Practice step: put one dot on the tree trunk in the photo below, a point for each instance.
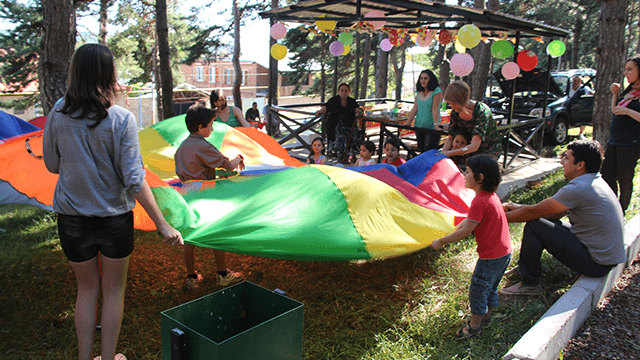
(364, 80)
(273, 77)
(323, 74)
(166, 77)
(58, 45)
(102, 36)
(609, 63)
(398, 69)
(237, 98)
(577, 32)
(382, 70)
(157, 80)
(482, 56)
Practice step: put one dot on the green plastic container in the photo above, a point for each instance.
(243, 321)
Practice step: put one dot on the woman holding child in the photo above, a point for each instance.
(473, 116)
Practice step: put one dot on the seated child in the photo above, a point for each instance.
(488, 221)
(367, 149)
(317, 152)
(461, 138)
(392, 152)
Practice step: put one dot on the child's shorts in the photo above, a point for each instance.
(82, 237)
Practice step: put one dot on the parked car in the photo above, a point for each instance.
(562, 112)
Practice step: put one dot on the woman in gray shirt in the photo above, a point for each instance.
(93, 145)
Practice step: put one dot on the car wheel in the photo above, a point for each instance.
(560, 132)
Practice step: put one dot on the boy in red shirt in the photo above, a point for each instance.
(488, 221)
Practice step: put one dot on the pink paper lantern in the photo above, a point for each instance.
(386, 45)
(510, 70)
(336, 48)
(278, 31)
(375, 14)
(462, 64)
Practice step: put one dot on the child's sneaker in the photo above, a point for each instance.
(230, 278)
(193, 283)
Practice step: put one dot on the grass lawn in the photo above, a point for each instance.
(401, 308)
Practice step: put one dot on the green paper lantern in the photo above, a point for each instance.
(501, 49)
(345, 38)
(556, 48)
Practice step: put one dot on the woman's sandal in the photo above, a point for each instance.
(467, 332)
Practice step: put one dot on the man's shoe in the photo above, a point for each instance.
(193, 283)
(522, 289)
(230, 278)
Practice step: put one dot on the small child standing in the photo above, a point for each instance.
(317, 152)
(488, 221)
(461, 138)
(367, 149)
(392, 152)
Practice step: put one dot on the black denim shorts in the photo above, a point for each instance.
(82, 237)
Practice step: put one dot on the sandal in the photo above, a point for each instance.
(468, 332)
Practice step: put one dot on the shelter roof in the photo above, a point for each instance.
(410, 14)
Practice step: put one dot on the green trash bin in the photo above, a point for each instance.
(243, 321)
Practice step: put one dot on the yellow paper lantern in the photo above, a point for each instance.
(459, 47)
(278, 51)
(347, 48)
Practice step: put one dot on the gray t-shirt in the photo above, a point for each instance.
(100, 169)
(596, 217)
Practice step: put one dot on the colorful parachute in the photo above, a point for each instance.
(278, 208)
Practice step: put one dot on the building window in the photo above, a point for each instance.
(228, 73)
(199, 73)
(245, 73)
(212, 74)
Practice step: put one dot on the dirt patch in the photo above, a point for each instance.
(612, 330)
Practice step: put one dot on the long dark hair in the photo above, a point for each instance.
(218, 94)
(636, 60)
(92, 83)
(431, 85)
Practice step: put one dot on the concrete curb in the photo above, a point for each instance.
(550, 335)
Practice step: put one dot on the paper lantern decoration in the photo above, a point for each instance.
(527, 60)
(386, 45)
(347, 48)
(510, 70)
(278, 51)
(425, 39)
(325, 25)
(278, 31)
(377, 25)
(444, 37)
(458, 46)
(556, 48)
(336, 48)
(469, 36)
(462, 64)
(501, 49)
(346, 38)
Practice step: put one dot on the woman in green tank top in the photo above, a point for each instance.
(426, 110)
(229, 115)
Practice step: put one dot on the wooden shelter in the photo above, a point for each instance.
(416, 14)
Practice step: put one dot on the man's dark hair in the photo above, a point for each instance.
(588, 151)
(198, 115)
(487, 165)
